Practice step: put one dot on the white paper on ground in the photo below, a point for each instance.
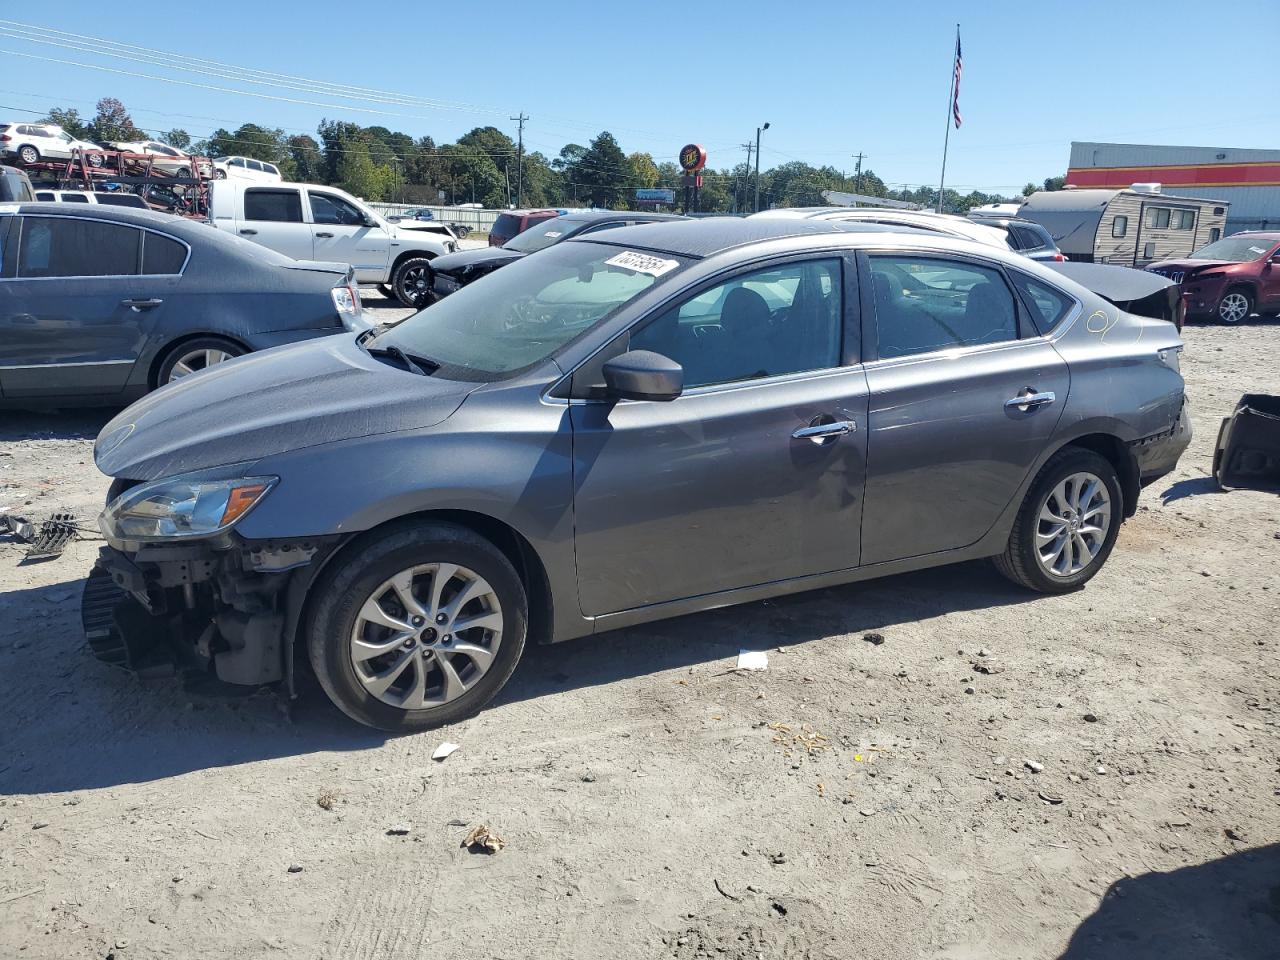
(753, 660)
(444, 750)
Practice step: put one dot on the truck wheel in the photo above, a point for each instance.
(420, 626)
(1235, 305)
(192, 356)
(412, 282)
(1067, 524)
(28, 154)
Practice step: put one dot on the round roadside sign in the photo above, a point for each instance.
(693, 158)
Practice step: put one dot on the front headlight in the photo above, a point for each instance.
(182, 507)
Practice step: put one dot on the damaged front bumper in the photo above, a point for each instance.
(226, 605)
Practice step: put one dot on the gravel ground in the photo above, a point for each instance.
(1109, 789)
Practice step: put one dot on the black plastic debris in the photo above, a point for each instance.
(55, 533)
(1248, 451)
(20, 528)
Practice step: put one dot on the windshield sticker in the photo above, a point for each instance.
(1258, 250)
(642, 263)
(553, 233)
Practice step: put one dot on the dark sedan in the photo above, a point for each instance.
(100, 305)
(456, 270)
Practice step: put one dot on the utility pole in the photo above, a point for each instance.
(748, 146)
(857, 173)
(520, 160)
(757, 203)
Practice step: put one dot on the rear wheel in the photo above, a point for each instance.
(1067, 525)
(95, 159)
(418, 627)
(196, 355)
(28, 154)
(1235, 305)
(412, 282)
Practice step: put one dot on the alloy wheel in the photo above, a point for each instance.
(416, 284)
(1234, 307)
(197, 360)
(426, 636)
(28, 155)
(1073, 524)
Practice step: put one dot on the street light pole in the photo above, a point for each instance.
(758, 129)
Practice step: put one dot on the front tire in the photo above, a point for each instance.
(1067, 525)
(412, 282)
(1235, 306)
(417, 627)
(28, 154)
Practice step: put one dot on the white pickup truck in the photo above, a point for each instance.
(311, 222)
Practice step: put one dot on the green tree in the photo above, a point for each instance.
(1055, 183)
(357, 173)
(248, 140)
(177, 137)
(603, 173)
(112, 123)
(1029, 189)
(69, 120)
(305, 163)
(644, 172)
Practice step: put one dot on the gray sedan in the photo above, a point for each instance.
(639, 424)
(100, 304)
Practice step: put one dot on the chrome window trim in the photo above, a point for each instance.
(102, 276)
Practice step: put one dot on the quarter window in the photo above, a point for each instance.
(66, 247)
(161, 255)
(767, 323)
(279, 206)
(1119, 226)
(326, 208)
(925, 304)
(1048, 306)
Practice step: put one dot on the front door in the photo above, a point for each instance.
(73, 309)
(1269, 281)
(273, 218)
(341, 235)
(715, 490)
(949, 443)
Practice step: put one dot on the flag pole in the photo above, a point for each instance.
(946, 140)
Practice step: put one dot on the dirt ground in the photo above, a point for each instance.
(1111, 789)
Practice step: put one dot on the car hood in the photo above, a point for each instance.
(271, 402)
(1190, 266)
(485, 257)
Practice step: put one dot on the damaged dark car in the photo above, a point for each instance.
(637, 424)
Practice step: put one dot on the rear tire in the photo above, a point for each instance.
(1076, 493)
(28, 154)
(1235, 306)
(412, 282)
(358, 611)
(192, 356)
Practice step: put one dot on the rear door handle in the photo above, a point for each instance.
(141, 304)
(249, 233)
(1028, 399)
(326, 236)
(821, 432)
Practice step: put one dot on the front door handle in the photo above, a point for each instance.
(248, 233)
(141, 304)
(326, 236)
(822, 432)
(1028, 399)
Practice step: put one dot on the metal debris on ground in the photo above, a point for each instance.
(483, 839)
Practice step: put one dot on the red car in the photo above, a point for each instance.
(515, 222)
(1229, 279)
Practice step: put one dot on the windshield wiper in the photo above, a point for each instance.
(419, 365)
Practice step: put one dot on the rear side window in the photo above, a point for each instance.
(254, 165)
(121, 200)
(269, 168)
(162, 255)
(1046, 305)
(67, 247)
(506, 225)
(280, 206)
(45, 195)
(925, 304)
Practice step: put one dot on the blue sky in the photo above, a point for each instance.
(833, 79)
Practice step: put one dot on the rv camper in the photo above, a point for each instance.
(1130, 227)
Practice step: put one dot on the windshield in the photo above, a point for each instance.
(521, 314)
(539, 236)
(1235, 249)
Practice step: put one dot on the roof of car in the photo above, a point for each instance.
(703, 237)
(593, 216)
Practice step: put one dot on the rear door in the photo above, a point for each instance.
(75, 308)
(272, 216)
(341, 235)
(953, 352)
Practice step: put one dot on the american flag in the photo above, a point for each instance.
(955, 89)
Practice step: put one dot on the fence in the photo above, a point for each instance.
(480, 221)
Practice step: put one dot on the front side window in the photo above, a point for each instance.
(66, 247)
(1119, 227)
(522, 314)
(925, 304)
(326, 208)
(767, 323)
(278, 206)
(236, 162)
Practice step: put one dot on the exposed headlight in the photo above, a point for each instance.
(182, 507)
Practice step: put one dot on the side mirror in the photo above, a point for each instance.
(643, 375)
